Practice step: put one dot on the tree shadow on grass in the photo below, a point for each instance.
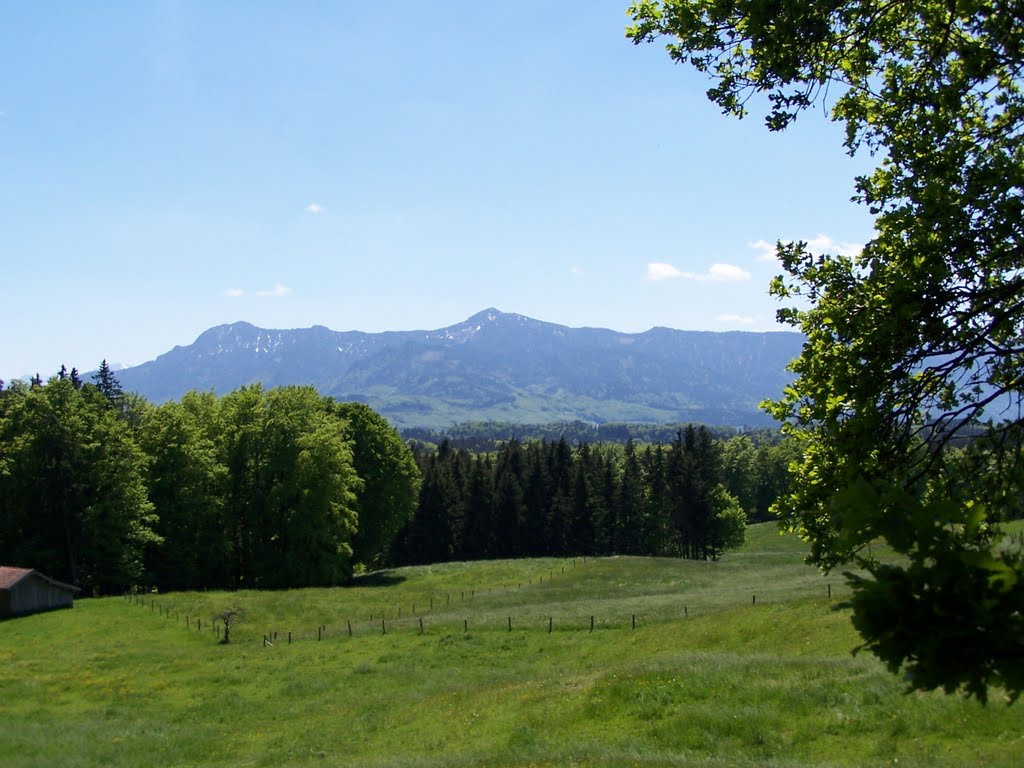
(377, 579)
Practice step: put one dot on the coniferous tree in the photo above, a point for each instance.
(537, 501)
(108, 385)
(509, 501)
(657, 528)
(560, 512)
(607, 526)
(478, 516)
(628, 535)
(679, 497)
(581, 526)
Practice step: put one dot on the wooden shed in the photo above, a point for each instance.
(23, 590)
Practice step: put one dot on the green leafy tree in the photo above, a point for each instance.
(917, 338)
(289, 509)
(73, 500)
(390, 481)
(309, 516)
(739, 469)
(728, 525)
(187, 485)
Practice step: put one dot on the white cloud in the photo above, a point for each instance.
(657, 270)
(725, 273)
(315, 208)
(575, 270)
(766, 250)
(234, 292)
(736, 319)
(276, 292)
(825, 244)
(818, 244)
(719, 273)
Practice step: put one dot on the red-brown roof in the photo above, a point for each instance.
(10, 576)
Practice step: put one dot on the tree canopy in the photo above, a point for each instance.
(917, 341)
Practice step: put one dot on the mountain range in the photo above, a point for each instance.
(494, 366)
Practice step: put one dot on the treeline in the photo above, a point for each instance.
(284, 487)
(482, 436)
(257, 488)
(690, 498)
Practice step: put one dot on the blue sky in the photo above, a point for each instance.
(169, 166)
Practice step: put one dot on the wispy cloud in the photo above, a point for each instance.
(576, 270)
(818, 244)
(276, 292)
(765, 250)
(315, 208)
(234, 292)
(825, 244)
(657, 270)
(725, 273)
(718, 273)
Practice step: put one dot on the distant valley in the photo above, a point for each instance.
(494, 366)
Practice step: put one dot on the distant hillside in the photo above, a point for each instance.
(495, 366)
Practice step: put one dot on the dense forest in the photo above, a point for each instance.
(285, 487)
(690, 498)
(480, 436)
(257, 488)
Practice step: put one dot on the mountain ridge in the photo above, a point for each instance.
(492, 366)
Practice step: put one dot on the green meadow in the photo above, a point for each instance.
(742, 662)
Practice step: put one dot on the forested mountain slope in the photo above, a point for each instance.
(493, 366)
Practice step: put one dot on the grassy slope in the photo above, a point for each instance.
(728, 683)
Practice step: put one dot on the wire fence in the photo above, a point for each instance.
(423, 620)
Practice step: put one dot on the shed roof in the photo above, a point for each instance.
(9, 576)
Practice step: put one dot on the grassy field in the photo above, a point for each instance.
(743, 662)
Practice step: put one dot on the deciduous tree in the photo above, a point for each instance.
(391, 481)
(919, 336)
